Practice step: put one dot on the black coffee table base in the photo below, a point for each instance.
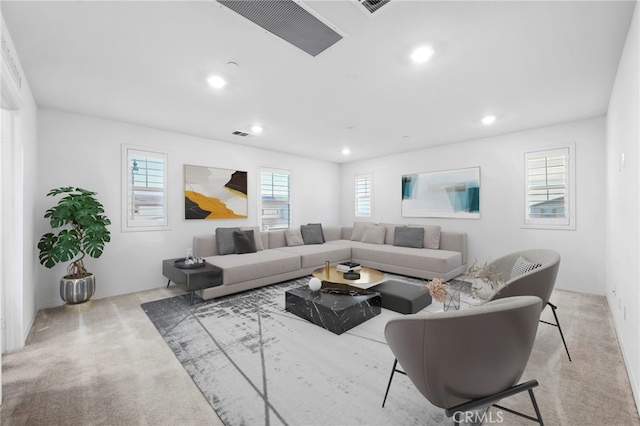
(337, 308)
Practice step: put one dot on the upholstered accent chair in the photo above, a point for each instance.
(536, 281)
(469, 359)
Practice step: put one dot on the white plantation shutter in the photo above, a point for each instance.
(548, 188)
(275, 199)
(363, 196)
(144, 190)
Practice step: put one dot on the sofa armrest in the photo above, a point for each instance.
(454, 241)
(205, 245)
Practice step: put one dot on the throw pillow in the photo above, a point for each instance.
(312, 233)
(256, 235)
(391, 231)
(244, 242)
(319, 226)
(522, 266)
(224, 240)
(408, 237)
(431, 236)
(358, 230)
(293, 237)
(374, 234)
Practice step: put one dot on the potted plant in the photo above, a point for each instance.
(83, 231)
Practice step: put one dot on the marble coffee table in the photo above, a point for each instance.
(335, 307)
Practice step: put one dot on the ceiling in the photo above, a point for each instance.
(530, 64)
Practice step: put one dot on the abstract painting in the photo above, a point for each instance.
(449, 193)
(212, 193)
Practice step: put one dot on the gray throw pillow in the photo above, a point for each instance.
(244, 242)
(374, 234)
(312, 233)
(256, 235)
(408, 237)
(224, 240)
(293, 237)
(431, 236)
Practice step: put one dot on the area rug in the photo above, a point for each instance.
(257, 364)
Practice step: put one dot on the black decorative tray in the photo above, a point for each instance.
(351, 276)
(181, 265)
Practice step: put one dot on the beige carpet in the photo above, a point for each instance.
(107, 365)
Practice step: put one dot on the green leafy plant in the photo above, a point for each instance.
(84, 230)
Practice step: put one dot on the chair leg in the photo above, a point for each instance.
(557, 324)
(393, 370)
(492, 399)
(535, 407)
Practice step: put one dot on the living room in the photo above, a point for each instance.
(54, 147)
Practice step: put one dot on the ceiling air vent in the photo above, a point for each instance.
(288, 20)
(239, 133)
(373, 5)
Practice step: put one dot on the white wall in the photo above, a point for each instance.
(82, 151)
(499, 230)
(622, 210)
(19, 176)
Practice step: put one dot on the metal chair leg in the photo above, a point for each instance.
(393, 370)
(557, 324)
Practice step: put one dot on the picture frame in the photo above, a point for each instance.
(446, 194)
(214, 193)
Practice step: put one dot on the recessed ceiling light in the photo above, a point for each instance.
(422, 54)
(489, 119)
(216, 82)
(346, 151)
(256, 129)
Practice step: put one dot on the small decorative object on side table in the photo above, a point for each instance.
(351, 276)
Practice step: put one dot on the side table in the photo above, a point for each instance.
(192, 279)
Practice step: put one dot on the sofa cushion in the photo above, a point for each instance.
(224, 240)
(522, 266)
(374, 234)
(237, 268)
(409, 237)
(315, 255)
(436, 261)
(293, 237)
(244, 242)
(312, 233)
(358, 230)
(431, 236)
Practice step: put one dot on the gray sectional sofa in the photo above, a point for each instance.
(276, 261)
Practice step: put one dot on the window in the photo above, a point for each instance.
(275, 199)
(549, 195)
(363, 196)
(144, 189)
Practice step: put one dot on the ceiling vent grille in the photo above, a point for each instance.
(373, 5)
(289, 21)
(239, 133)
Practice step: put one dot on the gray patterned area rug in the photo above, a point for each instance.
(259, 365)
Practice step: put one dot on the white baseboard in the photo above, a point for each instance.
(576, 289)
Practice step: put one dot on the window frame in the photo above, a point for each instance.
(569, 221)
(130, 224)
(356, 198)
(273, 170)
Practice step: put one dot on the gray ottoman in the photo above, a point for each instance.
(403, 297)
